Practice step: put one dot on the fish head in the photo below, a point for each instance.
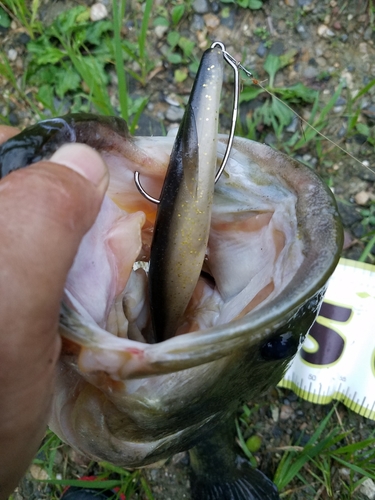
(275, 238)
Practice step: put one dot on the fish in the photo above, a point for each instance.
(184, 212)
(275, 237)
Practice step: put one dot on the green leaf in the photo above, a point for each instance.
(160, 21)
(83, 16)
(296, 93)
(274, 63)
(174, 58)
(67, 79)
(45, 96)
(283, 114)
(177, 13)
(4, 19)
(193, 67)
(68, 20)
(255, 4)
(250, 93)
(173, 38)
(44, 75)
(44, 52)
(96, 30)
(363, 129)
(180, 75)
(243, 3)
(186, 45)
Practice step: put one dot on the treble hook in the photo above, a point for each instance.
(236, 66)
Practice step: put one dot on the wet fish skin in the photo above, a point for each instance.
(145, 402)
(39, 142)
(183, 217)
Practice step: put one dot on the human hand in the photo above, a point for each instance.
(45, 209)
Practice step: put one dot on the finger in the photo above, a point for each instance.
(45, 210)
(7, 132)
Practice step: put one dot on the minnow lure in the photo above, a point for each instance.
(184, 212)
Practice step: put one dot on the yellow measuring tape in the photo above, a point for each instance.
(337, 359)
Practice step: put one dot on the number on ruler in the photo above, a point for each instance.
(328, 340)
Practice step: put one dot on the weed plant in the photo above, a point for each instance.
(309, 470)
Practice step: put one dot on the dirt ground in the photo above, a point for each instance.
(333, 41)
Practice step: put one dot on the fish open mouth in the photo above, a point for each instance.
(274, 239)
(255, 246)
(273, 231)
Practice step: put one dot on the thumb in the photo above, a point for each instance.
(45, 210)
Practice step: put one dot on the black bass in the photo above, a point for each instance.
(274, 240)
(184, 214)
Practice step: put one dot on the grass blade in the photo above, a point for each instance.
(119, 60)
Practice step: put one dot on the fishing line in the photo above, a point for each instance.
(259, 84)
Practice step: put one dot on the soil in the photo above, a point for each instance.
(333, 42)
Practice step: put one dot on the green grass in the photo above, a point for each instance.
(90, 56)
(313, 468)
(108, 476)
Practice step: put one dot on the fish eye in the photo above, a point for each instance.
(282, 346)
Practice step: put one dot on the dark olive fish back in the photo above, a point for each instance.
(41, 140)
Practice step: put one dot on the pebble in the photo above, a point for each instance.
(24, 38)
(13, 119)
(12, 55)
(290, 3)
(38, 473)
(261, 50)
(311, 72)
(160, 31)
(172, 100)
(215, 7)
(286, 412)
(174, 114)
(368, 34)
(211, 21)
(344, 472)
(367, 488)
(348, 77)
(340, 101)
(201, 6)
(58, 460)
(348, 214)
(197, 23)
(275, 413)
(369, 111)
(301, 30)
(98, 12)
(293, 126)
(321, 61)
(324, 31)
(363, 48)
(78, 459)
(363, 197)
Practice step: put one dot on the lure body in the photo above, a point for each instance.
(184, 212)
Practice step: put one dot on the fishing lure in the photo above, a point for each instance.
(184, 209)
